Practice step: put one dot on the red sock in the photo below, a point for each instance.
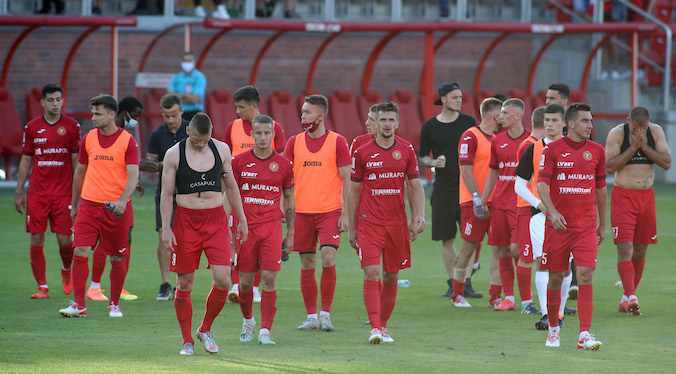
(638, 271)
(495, 291)
(388, 297)
(585, 306)
(626, 271)
(476, 253)
(257, 279)
(268, 308)
(246, 302)
(553, 305)
(458, 287)
(214, 305)
(328, 285)
(80, 274)
(183, 306)
(308, 287)
(98, 264)
(38, 264)
(372, 302)
(507, 275)
(118, 272)
(523, 278)
(234, 275)
(66, 256)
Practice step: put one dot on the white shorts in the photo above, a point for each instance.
(537, 233)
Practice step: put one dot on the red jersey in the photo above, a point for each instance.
(51, 147)
(241, 140)
(573, 171)
(366, 138)
(504, 159)
(261, 183)
(382, 173)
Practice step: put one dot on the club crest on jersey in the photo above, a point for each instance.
(396, 155)
(61, 131)
(274, 167)
(587, 155)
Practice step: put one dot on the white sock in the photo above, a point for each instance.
(510, 298)
(541, 280)
(565, 286)
(526, 302)
(312, 316)
(624, 298)
(95, 285)
(554, 329)
(262, 331)
(632, 297)
(43, 286)
(323, 314)
(64, 269)
(583, 334)
(250, 320)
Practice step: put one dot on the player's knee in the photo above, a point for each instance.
(584, 275)
(38, 239)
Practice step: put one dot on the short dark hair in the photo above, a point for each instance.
(388, 106)
(129, 104)
(248, 94)
(264, 118)
(373, 108)
(188, 53)
(318, 100)
(555, 108)
(571, 112)
(538, 118)
(516, 103)
(489, 104)
(500, 97)
(639, 114)
(561, 88)
(169, 100)
(108, 102)
(51, 88)
(201, 123)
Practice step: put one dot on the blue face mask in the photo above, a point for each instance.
(130, 123)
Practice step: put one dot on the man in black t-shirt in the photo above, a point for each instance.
(440, 136)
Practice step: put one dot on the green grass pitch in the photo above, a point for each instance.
(430, 335)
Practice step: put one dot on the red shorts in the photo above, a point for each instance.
(632, 216)
(262, 249)
(233, 222)
(310, 227)
(502, 231)
(523, 237)
(392, 242)
(472, 228)
(198, 230)
(94, 221)
(41, 208)
(580, 241)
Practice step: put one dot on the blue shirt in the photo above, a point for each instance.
(193, 84)
(161, 139)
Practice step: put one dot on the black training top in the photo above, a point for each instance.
(161, 139)
(190, 181)
(639, 157)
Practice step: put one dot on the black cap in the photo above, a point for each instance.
(445, 89)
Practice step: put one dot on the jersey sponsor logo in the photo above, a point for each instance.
(202, 183)
(264, 187)
(246, 145)
(41, 131)
(561, 177)
(565, 164)
(581, 177)
(374, 164)
(507, 178)
(40, 140)
(245, 187)
(464, 149)
(504, 145)
(203, 175)
(336, 236)
(257, 201)
(251, 164)
(49, 151)
(391, 174)
(565, 154)
(248, 174)
(542, 161)
(508, 164)
(587, 155)
(312, 163)
(61, 131)
(386, 191)
(103, 158)
(396, 155)
(50, 163)
(273, 166)
(375, 155)
(574, 191)
(372, 177)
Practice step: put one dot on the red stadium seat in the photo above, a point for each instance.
(221, 109)
(366, 100)
(284, 110)
(343, 113)
(152, 114)
(409, 117)
(33, 107)
(11, 130)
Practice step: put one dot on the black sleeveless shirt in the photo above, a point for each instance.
(639, 157)
(190, 181)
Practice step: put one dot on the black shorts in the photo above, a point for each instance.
(445, 211)
(158, 216)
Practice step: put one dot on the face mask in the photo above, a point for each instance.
(131, 123)
(187, 66)
(311, 126)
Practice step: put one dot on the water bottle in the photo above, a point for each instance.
(476, 199)
(403, 283)
(110, 206)
(285, 258)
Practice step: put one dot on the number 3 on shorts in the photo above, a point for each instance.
(526, 250)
